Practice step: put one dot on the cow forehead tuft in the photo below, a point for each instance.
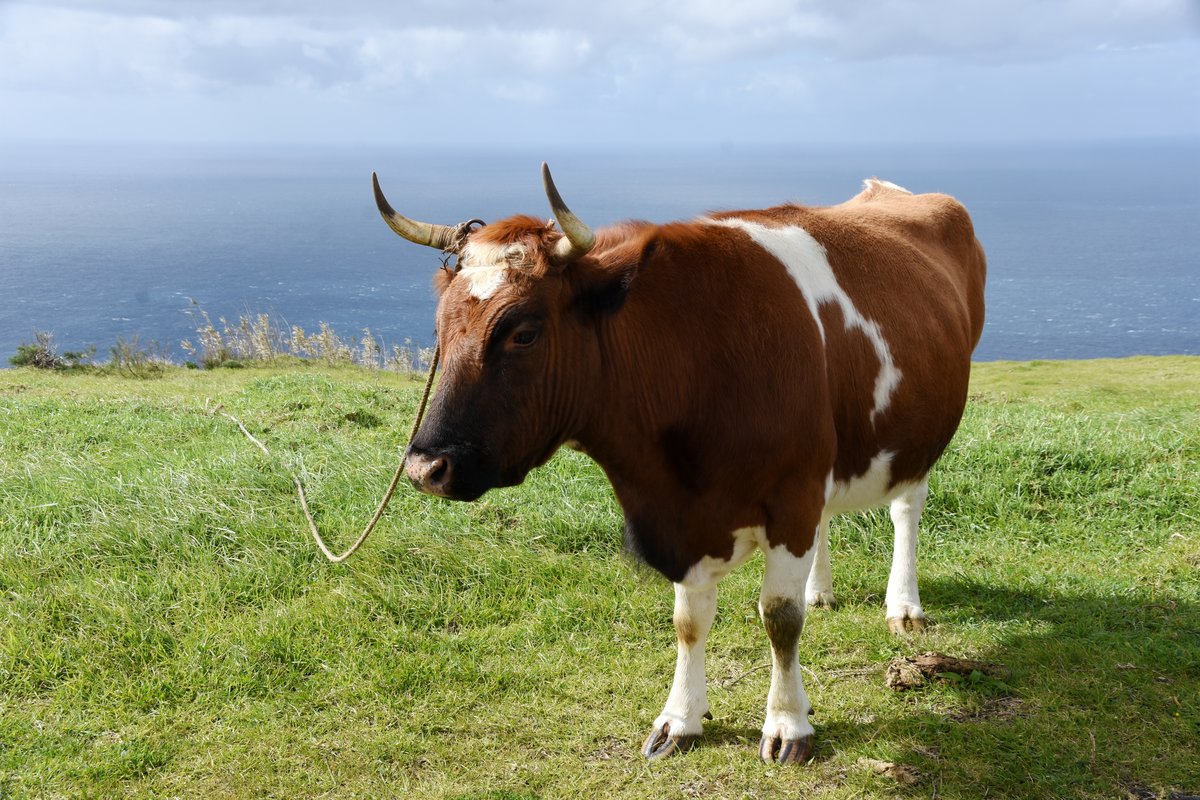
(488, 254)
(484, 281)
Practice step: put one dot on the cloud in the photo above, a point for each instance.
(55, 49)
(68, 49)
(711, 31)
(778, 84)
(625, 68)
(188, 44)
(521, 66)
(1009, 31)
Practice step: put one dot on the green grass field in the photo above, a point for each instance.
(168, 629)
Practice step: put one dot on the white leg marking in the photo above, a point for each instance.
(787, 702)
(903, 598)
(695, 609)
(819, 591)
(808, 264)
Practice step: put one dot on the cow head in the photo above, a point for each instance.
(518, 323)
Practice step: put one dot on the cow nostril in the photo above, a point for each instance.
(430, 474)
(439, 471)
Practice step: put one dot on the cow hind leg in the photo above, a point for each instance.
(904, 612)
(787, 734)
(819, 590)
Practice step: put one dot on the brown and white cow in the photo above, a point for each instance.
(740, 378)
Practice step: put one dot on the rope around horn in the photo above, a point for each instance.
(387, 496)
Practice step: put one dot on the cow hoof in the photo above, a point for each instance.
(773, 750)
(904, 625)
(819, 599)
(661, 744)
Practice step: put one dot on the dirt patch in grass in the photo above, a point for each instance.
(997, 709)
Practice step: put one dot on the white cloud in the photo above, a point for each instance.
(623, 67)
(73, 50)
(523, 92)
(67, 49)
(399, 58)
(544, 49)
(780, 84)
(188, 43)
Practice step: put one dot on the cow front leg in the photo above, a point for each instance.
(904, 612)
(679, 725)
(787, 734)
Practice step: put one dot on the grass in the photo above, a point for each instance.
(167, 629)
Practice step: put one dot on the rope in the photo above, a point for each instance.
(387, 496)
(461, 232)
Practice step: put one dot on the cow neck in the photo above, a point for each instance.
(646, 371)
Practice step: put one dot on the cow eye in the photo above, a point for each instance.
(525, 337)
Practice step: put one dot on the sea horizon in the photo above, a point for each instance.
(1093, 247)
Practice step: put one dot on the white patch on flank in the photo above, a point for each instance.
(696, 606)
(808, 264)
(868, 490)
(485, 266)
(872, 183)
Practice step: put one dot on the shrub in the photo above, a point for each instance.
(40, 353)
(132, 358)
(257, 339)
(80, 358)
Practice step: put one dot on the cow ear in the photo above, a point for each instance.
(605, 285)
(604, 290)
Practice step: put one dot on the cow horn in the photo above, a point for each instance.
(578, 238)
(439, 236)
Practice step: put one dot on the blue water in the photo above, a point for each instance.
(1094, 250)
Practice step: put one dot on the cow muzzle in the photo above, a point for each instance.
(431, 474)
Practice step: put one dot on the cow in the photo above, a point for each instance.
(740, 378)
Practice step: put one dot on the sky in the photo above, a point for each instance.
(621, 72)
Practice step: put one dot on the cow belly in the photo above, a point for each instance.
(871, 489)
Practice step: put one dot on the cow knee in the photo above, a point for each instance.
(783, 617)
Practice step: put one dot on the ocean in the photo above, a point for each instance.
(1093, 249)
